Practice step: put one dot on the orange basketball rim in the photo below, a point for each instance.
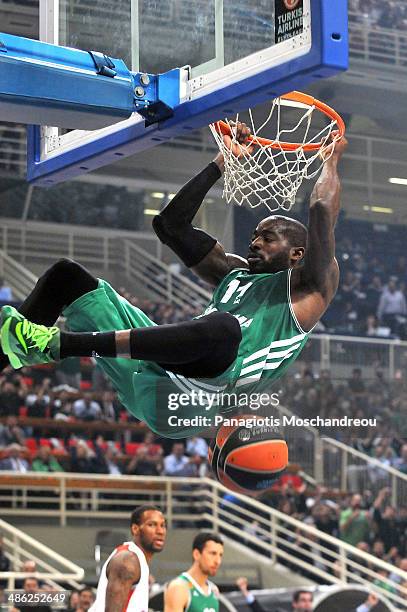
(298, 98)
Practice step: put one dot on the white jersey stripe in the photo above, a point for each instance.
(206, 386)
(279, 354)
(257, 354)
(272, 365)
(279, 343)
(253, 368)
(248, 380)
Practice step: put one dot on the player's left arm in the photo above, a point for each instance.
(314, 285)
(122, 572)
(198, 250)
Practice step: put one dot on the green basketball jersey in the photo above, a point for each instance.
(197, 600)
(271, 335)
(271, 340)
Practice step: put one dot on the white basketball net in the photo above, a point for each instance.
(272, 176)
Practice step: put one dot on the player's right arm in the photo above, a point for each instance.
(176, 597)
(122, 572)
(173, 225)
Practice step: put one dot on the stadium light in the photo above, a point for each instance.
(398, 181)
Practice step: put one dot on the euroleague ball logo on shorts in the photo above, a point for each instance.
(291, 4)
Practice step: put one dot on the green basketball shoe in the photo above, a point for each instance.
(27, 343)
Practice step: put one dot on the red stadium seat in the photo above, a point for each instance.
(85, 385)
(131, 448)
(45, 442)
(31, 444)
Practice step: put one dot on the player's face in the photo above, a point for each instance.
(210, 559)
(268, 250)
(304, 603)
(151, 532)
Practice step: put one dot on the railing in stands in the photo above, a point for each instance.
(51, 567)
(342, 354)
(104, 250)
(350, 470)
(188, 501)
(371, 43)
(20, 280)
(159, 279)
(338, 466)
(12, 149)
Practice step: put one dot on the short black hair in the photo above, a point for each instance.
(202, 538)
(294, 231)
(137, 514)
(297, 595)
(85, 589)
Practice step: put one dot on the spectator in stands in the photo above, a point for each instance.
(356, 384)
(401, 565)
(73, 601)
(148, 459)
(384, 516)
(374, 293)
(11, 433)
(86, 599)
(326, 519)
(31, 585)
(377, 474)
(62, 407)
(108, 458)
(84, 460)
(197, 446)
(11, 397)
(373, 328)
(392, 306)
(45, 461)
(302, 600)
(384, 582)
(400, 463)
(87, 409)
(354, 522)
(178, 464)
(38, 400)
(110, 407)
(30, 567)
(6, 295)
(14, 460)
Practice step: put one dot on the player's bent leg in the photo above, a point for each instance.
(221, 335)
(63, 283)
(204, 347)
(59, 286)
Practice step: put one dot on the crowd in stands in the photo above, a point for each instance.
(391, 14)
(371, 299)
(364, 517)
(370, 523)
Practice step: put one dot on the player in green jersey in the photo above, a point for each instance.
(259, 319)
(192, 591)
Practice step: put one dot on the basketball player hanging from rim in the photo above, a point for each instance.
(261, 314)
